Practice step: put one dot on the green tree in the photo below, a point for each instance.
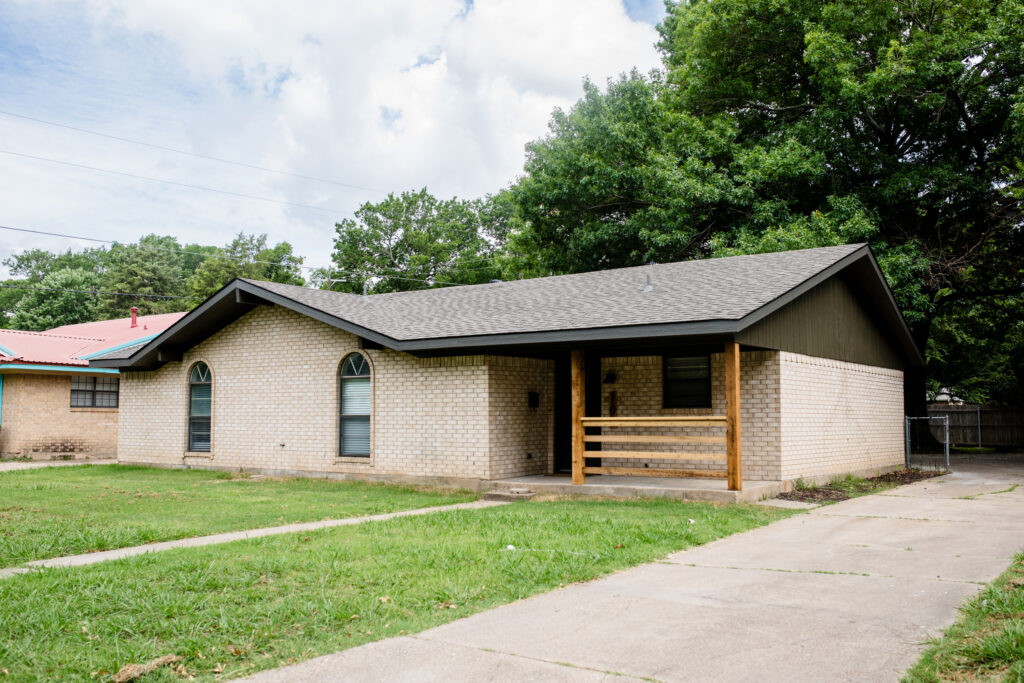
(29, 267)
(63, 297)
(415, 241)
(247, 256)
(794, 123)
(149, 269)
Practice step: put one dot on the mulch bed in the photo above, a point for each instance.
(829, 493)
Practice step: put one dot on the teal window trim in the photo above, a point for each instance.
(1, 401)
(59, 368)
(120, 346)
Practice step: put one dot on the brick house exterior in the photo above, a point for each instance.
(470, 384)
(48, 406)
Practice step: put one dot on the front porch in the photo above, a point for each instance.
(722, 430)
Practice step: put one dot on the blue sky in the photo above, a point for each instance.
(387, 95)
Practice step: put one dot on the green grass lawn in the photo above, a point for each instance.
(987, 642)
(68, 510)
(236, 608)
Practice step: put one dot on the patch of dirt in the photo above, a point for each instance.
(829, 493)
(901, 477)
(821, 494)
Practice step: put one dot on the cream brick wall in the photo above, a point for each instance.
(839, 417)
(275, 406)
(516, 430)
(638, 389)
(38, 421)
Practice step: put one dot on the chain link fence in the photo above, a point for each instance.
(927, 442)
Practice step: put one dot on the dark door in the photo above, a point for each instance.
(563, 409)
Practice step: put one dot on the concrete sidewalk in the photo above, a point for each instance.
(847, 592)
(14, 465)
(229, 536)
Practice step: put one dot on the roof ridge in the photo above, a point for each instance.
(50, 334)
(416, 292)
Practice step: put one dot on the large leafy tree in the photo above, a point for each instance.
(247, 256)
(792, 123)
(415, 241)
(29, 267)
(63, 297)
(150, 270)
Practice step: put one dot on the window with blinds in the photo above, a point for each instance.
(200, 404)
(356, 407)
(94, 392)
(686, 382)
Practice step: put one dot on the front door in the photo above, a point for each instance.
(563, 409)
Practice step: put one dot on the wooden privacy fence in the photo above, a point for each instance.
(673, 439)
(980, 426)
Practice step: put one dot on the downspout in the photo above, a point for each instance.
(1, 401)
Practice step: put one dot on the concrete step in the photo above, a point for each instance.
(509, 494)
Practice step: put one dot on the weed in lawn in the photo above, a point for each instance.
(256, 604)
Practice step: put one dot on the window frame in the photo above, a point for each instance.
(199, 419)
(93, 391)
(665, 399)
(343, 416)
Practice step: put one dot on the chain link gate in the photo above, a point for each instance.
(927, 442)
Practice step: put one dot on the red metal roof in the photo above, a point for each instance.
(72, 344)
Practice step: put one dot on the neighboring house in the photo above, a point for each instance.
(783, 365)
(52, 404)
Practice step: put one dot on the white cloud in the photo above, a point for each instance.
(388, 94)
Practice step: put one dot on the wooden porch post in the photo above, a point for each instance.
(577, 367)
(734, 462)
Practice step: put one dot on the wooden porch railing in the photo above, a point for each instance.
(659, 422)
(734, 468)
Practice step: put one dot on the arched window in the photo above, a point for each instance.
(200, 397)
(356, 399)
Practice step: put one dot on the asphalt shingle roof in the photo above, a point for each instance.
(120, 353)
(687, 291)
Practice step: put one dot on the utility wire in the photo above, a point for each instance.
(172, 182)
(191, 154)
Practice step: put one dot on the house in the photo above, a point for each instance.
(52, 404)
(764, 367)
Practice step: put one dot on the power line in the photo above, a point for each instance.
(172, 182)
(103, 293)
(191, 154)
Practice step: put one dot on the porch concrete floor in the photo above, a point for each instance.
(713, 490)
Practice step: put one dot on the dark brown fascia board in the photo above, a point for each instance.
(244, 294)
(506, 339)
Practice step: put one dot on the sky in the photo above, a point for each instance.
(376, 96)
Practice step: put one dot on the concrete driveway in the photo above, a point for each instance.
(847, 592)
